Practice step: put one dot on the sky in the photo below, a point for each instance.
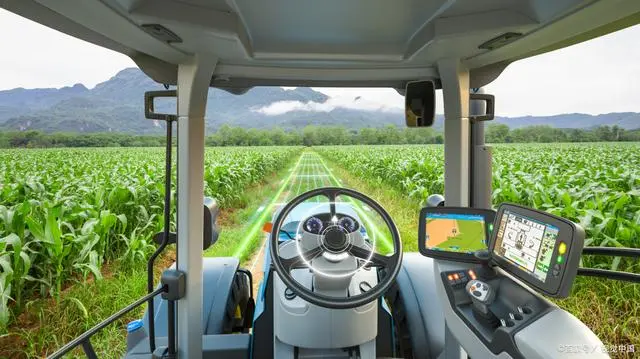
(598, 76)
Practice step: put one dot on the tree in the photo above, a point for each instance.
(497, 133)
(310, 136)
(316, 135)
(278, 136)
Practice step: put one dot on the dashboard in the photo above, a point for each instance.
(320, 222)
(524, 246)
(538, 248)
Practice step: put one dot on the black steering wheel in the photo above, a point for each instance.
(336, 242)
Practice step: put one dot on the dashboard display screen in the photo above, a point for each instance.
(527, 243)
(455, 232)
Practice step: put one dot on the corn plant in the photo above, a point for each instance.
(65, 212)
(596, 185)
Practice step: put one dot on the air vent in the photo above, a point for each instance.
(500, 41)
(161, 33)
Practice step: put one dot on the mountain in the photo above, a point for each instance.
(116, 105)
(626, 120)
(20, 101)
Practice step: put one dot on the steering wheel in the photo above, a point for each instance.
(336, 242)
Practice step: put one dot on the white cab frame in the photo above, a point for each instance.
(193, 86)
(455, 90)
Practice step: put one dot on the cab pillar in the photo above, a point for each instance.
(455, 90)
(194, 77)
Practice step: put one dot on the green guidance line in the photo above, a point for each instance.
(257, 223)
(385, 241)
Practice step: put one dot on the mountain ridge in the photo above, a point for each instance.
(116, 105)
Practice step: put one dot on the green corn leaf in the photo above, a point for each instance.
(123, 219)
(89, 226)
(36, 229)
(52, 233)
(5, 264)
(78, 304)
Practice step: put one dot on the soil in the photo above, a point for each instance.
(255, 264)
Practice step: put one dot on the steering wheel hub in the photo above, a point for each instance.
(335, 240)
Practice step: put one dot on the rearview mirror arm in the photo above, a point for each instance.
(169, 119)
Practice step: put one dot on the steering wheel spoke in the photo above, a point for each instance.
(373, 259)
(300, 260)
(332, 195)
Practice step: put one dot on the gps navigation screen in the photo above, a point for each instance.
(453, 232)
(527, 243)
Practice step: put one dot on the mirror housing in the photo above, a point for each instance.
(149, 107)
(210, 231)
(483, 106)
(420, 103)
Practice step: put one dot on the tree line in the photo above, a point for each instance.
(500, 133)
(318, 135)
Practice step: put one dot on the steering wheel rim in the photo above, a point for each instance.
(391, 264)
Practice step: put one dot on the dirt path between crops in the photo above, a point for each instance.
(307, 174)
(257, 265)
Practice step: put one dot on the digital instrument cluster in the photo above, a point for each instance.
(318, 223)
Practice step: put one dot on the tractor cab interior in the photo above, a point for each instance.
(336, 281)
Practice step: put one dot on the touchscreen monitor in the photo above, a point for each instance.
(538, 248)
(454, 232)
(527, 243)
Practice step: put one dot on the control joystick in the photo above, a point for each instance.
(482, 295)
(480, 292)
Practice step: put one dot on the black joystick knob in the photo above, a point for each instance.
(482, 295)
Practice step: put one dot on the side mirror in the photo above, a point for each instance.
(482, 107)
(420, 103)
(149, 106)
(210, 232)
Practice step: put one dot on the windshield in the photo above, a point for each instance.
(82, 176)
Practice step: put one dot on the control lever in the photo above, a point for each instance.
(482, 295)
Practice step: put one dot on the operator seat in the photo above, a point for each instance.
(263, 333)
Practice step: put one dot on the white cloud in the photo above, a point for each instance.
(597, 76)
(356, 99)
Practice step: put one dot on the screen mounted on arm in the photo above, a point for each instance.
(538, 248)
(454, 233)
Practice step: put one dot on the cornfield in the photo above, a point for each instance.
(596, 185)
(64, 213)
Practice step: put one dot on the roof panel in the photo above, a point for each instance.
(338, 42)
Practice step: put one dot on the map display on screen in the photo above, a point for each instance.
(454, 232)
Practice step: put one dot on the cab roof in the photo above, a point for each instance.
(367, 43)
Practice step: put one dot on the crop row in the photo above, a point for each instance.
(64, 213)
(596, 185)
